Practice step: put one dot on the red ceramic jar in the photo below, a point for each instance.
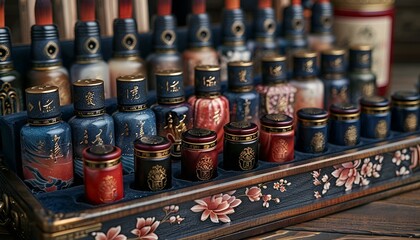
(277, 138)
(103, 174)
(199, 154)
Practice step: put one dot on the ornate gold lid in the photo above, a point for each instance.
(88, 82)
(169, 72)
(273, 58)
(240, 63)
(131, 78)
(334, 51)
(210, 68)
(41, 89)
(305, 54)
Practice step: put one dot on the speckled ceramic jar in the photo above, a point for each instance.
(344, 124)
(375, 117)
(312, 133)
(405, 111)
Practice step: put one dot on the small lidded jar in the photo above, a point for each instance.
(405, 111)
(276, 138)
(152, 163)
(344, 125)
(375, 118)
(312, 130)
(240, 150)
(199, 154)
(103, 174)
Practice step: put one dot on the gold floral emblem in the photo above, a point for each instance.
(108, 189)
(381, 129)
(156, 178)
(318, 142)
(204, 168)
(410, 123)
(350, 136)
(277, 117)
(247, 158)
(280, 150)
(368, 89)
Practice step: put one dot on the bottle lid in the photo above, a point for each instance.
(87, 41)
(164, 32)
(374, 102)
(240, 128)
(265, 24)
(312, 114)
(276, 120)
(101, 156)
(5, 48)
(274, 69)
(45, 46)
(125, 40)
(406, 96)
(332, 61)
(207, 80)
(88, 97)
(132, 92)
(199, 30)
(360, 57)
(240, 76)
(43, 103)
(170, 86)
(152, 146)
(233, 26)
(293, 21)
(199, 135)
(304, 64)
(344, 108)
(322, 17)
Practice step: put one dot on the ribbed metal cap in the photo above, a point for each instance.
(42, 102)
(45, 46)
(233, 26)
(199, 135)
(164, 32)
(374, 101)
(125, 40)
(88, 95)
(322, 17)
(293, 21)
(199, 30)
(87, 41)
(5, 48)
(344, 108)
(131, 90)
(265, 23)
(240, 128)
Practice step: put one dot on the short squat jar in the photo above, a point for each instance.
(344, 124)
(103, 174)
(405, 111)
(199, 154)
(240, 146)
(375, 118)
(152, 163)
(312, 130)
(276, 138)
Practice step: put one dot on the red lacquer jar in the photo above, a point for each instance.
(276, 138)
(368, 22)
(199, 154)
(103, 174)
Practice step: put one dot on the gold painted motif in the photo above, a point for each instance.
(276, 70)
(247, 158)
(89, 98)
(157, 178)
(242, 76)
(151, 139)
(318, 142)
(276, 117)
(339, 95)
(9, 99)
(173, 87)
(140, 126)
(351, 136)
(381, 129)
(46, 108)
(217, 115)
(40, 147)
(280, 150)
(108, 189)
(85, 140)
(133, 94)
(126, 130)
(241, 124)
(368, 90)
(336, 63)
(247, 110)
(209, 82)
(363, 58)
(56, 151)
(410, 123)
(308, 66)
(4, 52)
(204, 168)
(98, 140)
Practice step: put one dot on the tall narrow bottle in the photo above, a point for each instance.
(233, 46)
(87, 48)
(277, 95)
(90, 126)
(11, 97)
(125, 54)
(165, 55)
(173, 114)
(47, 68)
(200, 38)
(243, 99)
(321, 37)
(47, 154)
(210, 109)
(133, 119)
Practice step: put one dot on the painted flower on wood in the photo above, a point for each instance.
(400, 156)
(347, 174)
(145, 228)
(253, 193)
(217, 207)
(112, 234)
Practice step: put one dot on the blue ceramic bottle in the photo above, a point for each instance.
(344, 124)
(375, 118)
(90, 126)
(405, 111)
(173, 114)
(243, 99)
(362, 79)
(336, 84)
(47, 154)
(133, 119)
(312, 132)
(321, 37)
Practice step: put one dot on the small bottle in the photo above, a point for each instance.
(173, 114)
(152, 163)
(233, 46)
(200, 38)
(264, 25)
(133, 119)
(277, 95)
(333, 75)
(90, 126)
(165, 55)
(103, 173)
(46, 67)
(310, 89)
(199, 155)
(243, 99)
(362, 79)
(312, 130)
(321, 37)
(240, 146)
(375, 118)
(87, 48)
(210, 108)
(125, 53)
(277, 138)
(405, 111)
(47, 154)
(344, 124)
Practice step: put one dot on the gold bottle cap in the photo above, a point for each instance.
(361, 47)
(334, 51)
(363, 5)
(210, 68)
(240, 64)
(273, 58)
(131, 78)
(169, 72)
(41, 89)
(305, 54)
(88, 82)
